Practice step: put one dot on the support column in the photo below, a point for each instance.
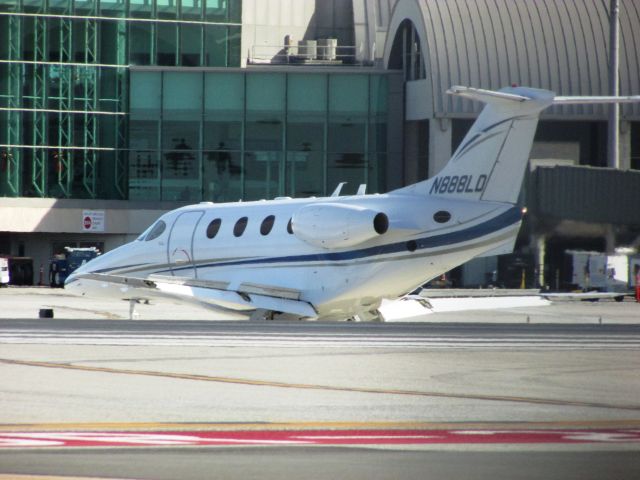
(91, 89)
(540, 253)
(64, 160)
(439, 144)
(39, 162)
(624, 140)
(12, 156)
(610, 238)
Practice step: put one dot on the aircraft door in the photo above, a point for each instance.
(180, 244)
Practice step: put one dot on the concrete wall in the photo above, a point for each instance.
(31, 226)
(50, 215)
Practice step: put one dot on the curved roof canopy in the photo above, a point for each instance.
(560, 45)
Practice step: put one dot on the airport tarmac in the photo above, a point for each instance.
(462, 395)
(25, 302)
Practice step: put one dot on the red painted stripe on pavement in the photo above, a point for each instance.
(313, 437)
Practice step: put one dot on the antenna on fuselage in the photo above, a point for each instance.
(336, 192)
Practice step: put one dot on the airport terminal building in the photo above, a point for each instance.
(114, 111)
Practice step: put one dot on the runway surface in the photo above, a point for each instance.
(182, 399)
(316, 334)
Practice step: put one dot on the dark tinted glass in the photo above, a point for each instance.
(442, 216)
(214, 226)
(267, 225)
(240, 226)
(156, 231)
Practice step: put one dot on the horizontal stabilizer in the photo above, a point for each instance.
(485, 96)
(586, 100)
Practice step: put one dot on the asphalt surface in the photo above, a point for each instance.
(271, 463)
(573, 379)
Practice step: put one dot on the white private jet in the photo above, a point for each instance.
(338, 257)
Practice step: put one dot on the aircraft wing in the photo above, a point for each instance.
(247, 297)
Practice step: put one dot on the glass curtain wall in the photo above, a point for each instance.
(64, 83)
(226, 136)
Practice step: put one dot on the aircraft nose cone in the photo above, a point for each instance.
(69, 280)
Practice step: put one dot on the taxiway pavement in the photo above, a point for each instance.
(112, 376)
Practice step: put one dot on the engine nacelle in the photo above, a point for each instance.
(336, 226)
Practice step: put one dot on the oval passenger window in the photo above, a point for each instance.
(442, 216)
(240, 226)
(214, 227)
(267, 225)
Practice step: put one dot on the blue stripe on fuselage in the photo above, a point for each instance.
(495, 224)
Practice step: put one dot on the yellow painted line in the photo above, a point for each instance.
(259, 426)
(329, 388)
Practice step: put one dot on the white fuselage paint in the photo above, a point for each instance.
(337, 282)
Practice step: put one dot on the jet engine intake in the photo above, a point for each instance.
(337, 226)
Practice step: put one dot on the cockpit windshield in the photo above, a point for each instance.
(153, 231)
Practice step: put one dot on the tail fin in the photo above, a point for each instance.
(490, 162)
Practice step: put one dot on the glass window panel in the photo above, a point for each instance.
(265, 92)
(84, 6)
(233, 56)
(79, 41)
(307, 93)
(167, 8)
(143, 134)
(378, 137)
(191, 45)
(348, 94)
(305, 136)
(37, 3)
(379, 94)
(235, 11)
(222, 176)
(145, 92)
(305, 174)
(263, 135)
(182, 92)
(348, 136)
(113, 8)
(109, 79)
(139, 8)
(166, 44)
(140, 38)
(224, 92)
(216, 45)
(181, 175)
(377, 167)
(222, 135)
(180, 135)
(144, 175)
(216, 10)
(262, 175)
(346, 167)
(4, 85)
(191, 9)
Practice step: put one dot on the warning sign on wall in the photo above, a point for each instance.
(93, 220)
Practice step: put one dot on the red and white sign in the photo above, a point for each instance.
(93, 221)
(313, 437)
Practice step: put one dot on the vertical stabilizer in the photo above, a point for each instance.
(490, 162)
